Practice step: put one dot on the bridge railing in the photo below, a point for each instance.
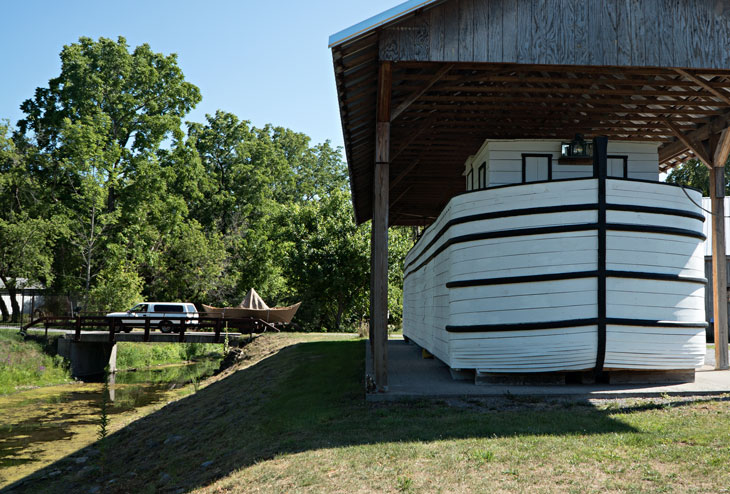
(113, 325)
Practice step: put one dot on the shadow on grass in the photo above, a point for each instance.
(302, 398)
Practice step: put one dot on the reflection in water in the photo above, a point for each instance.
(42, 425)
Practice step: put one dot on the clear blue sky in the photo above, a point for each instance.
(265, 61)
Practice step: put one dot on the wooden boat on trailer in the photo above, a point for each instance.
(565, 269)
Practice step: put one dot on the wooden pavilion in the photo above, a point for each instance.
(423, 85)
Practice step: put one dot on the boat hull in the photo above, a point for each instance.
(273, 315)
(536, 278)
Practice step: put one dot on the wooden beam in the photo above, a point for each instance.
(400, 196)
(414, 135)
(696, 147)
(381, 189)
(403, 174)
(384, 90)
(420, 92)
(723, 149)
(716, 125)
(704, 85)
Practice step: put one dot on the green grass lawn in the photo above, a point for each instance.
(294, 419)
(134, 355)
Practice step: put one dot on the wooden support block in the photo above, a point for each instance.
(529, 379)
(425, 353)
(652, 377)
(462, 374)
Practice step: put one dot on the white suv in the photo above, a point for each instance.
(164, 315)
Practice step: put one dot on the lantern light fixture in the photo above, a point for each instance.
(577, 148)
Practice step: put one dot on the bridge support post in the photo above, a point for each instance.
(88, 359)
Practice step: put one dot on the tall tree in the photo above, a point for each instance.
(97, 128)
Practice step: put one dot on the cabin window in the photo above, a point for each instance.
(470, 180)
(618, 166)
(483, 176)
(537, 167)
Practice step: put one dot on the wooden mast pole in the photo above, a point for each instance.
(379, 273)
(719, 256)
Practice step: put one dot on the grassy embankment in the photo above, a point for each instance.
(294, 420)
(32, 361)
(29, 362)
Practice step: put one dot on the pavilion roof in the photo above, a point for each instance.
(468, 70)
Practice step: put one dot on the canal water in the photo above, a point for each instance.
(42, 425)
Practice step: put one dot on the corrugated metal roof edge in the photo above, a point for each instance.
(377, 20)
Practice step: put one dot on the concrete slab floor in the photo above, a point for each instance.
(412, 377)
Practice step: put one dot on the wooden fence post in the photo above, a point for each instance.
(217, 330)
(112, 329)
(77, 334)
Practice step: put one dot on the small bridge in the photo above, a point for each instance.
(90, 340)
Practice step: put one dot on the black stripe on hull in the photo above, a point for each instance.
(543, 230)
(570, 323)
(538, 278)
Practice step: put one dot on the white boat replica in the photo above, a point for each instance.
(545, 266)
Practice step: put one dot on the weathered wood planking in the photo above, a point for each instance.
(650, 33)
(468, 286)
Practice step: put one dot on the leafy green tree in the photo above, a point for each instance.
(329, 263)
(25, 254)
(193, 263)
(118, 287)
(96, 130)
(204, 217)
(25, 239)
(695, 174)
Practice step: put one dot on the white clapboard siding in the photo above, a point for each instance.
(631, 347)
(651, 219)
(707, 230)
(526, 351)
(475, 313)
(504, 159)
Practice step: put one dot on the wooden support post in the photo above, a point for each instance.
(379, 274)
(77, 334)
(371, 322)
(182, 332)
(217, 330)
(719, 255)
(112, 328)
(146, 329)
